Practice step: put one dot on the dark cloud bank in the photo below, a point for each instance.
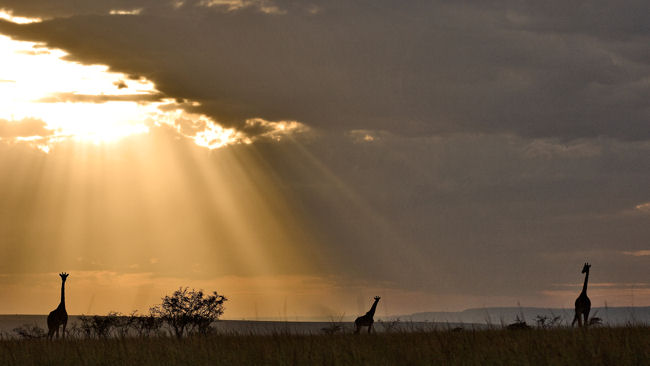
(425, 67)
(507, 143)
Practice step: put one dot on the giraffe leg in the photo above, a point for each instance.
(56, 330)
(575, 319)
(586, 314)
(369, 328)
(63, 331)
(357, 328)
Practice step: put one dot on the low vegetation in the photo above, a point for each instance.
(537, 346)
(180, 331)
(183, 313)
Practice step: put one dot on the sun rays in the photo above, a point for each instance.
(131, 175)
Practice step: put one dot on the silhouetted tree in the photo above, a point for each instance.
(187, 311)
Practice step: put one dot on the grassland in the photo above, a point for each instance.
(561, 346)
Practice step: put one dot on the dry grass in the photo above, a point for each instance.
(561, 346)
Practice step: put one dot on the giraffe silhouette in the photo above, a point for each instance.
(583, 304)
(58, 317)
(366, 320)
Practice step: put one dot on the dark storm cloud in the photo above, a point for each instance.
(600, 18)
(27, 127)
(416, 68)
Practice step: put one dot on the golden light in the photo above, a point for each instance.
(8, 15)
(86, 103)
(136, 11)
(109, 198)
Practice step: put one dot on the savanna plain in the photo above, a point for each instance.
(557, 346)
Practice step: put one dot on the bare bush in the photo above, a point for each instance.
(545, 322)
(30, 331)
(595, 321)
(390, 325)
(335, 326)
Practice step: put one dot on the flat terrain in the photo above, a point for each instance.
(561, 346)
(248, 327)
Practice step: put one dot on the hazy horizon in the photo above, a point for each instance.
(612, 316)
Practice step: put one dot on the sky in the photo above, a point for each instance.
(301, 157)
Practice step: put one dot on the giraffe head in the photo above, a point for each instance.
(64, 276)
(377, 298)
(585, 269)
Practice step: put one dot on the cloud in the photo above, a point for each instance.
(125, 11)
(8, 16)
(638, 253)
(421, 68)
(548, 148)
(100, 98)
(643, 207)
(24, 128)
(274, 130)
(61, 8)
(120, 84)
(265, 6)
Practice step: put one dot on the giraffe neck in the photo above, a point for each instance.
(62, 304)
(371, 312)
(584, 287)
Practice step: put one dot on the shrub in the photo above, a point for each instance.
(145, 325)
(97, 326)
(188, 311)
(519, 324)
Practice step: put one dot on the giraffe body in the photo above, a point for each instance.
(59, 316)
(583, 304)
(366, 320)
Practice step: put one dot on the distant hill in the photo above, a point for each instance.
(507, 315)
